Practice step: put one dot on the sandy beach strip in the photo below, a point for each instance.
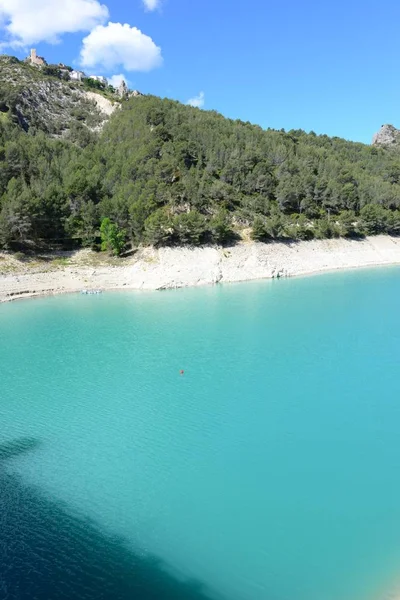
(164, 268)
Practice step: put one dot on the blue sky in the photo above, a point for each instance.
(328, 67)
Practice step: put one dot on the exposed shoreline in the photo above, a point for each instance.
(164, 268)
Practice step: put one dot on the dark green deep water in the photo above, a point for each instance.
(269, 471)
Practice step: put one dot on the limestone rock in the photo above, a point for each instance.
(104, 105)
(386, 136)
(122, 90)
(34, 100)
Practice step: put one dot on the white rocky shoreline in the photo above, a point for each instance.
(164, 268)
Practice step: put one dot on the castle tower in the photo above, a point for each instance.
(33, 56)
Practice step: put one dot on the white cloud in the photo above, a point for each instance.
(116, 45)
(30, 21)
(151, 4)
(115, 80)
(197, 101)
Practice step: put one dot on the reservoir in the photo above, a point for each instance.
(268, 470)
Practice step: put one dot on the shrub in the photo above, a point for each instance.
(159, 228)
(189, 228)
(112, 237)
(374, 219)
(220, 227)
(258, 232)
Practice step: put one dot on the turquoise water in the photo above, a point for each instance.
(269, 471)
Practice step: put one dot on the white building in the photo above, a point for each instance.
(77, 75)
(99, 78)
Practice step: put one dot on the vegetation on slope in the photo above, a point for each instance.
(164, 173)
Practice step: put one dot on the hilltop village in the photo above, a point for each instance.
(67, 73)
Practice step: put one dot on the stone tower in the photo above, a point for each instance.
(34, 59)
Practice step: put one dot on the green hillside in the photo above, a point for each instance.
(164, 173)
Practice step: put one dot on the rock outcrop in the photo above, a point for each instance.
(122, 90)
(103, 104)
(35, 100)
(386, 136)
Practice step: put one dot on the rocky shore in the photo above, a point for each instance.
(156, 269)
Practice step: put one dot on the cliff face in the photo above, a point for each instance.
(386, 136)
(35, 100)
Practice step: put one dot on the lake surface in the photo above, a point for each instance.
(269, 471)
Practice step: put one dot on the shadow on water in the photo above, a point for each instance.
(46, 553)
(17, 447)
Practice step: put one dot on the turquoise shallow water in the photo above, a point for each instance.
(269, 471)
